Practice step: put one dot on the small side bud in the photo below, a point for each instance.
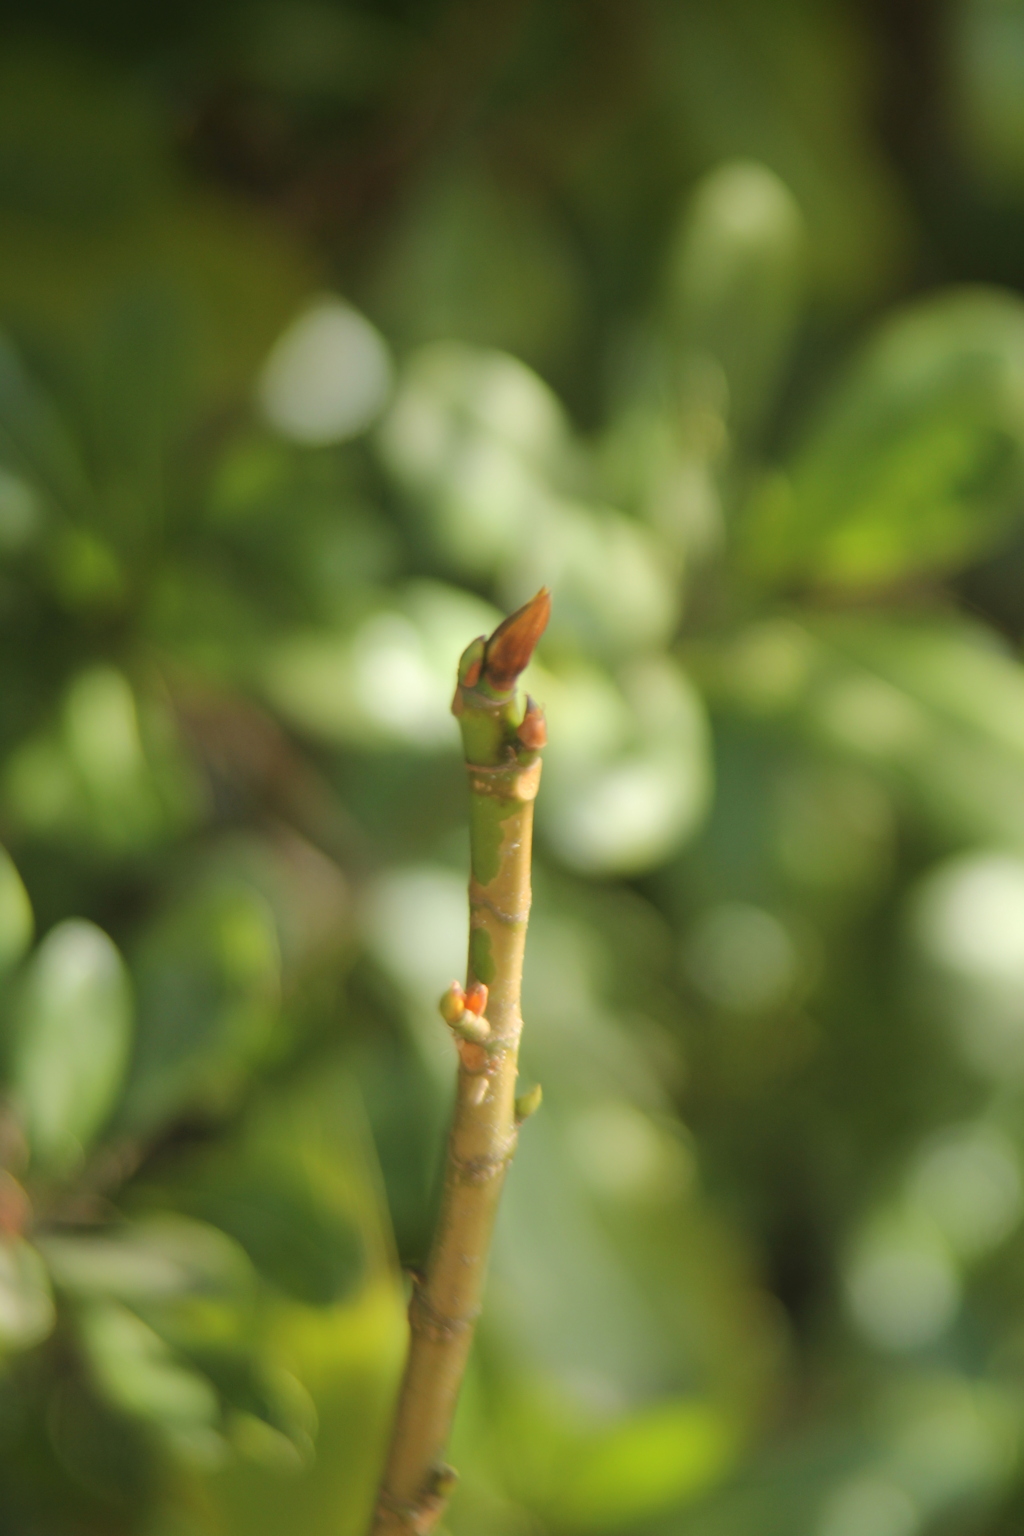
(528, 1104)
(474, 1058)
(509, 649)
(453, 1004)
(443, 1480)
(473, 1027)
(476, 998)
(533, 732)
(471, 662)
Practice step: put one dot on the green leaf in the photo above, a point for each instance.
(665, 1455)
(287, 1190)
(156, 1258)
(935, 708)
(27, 1313)
(16, 922)
(294, 1237)
(328, 377)
(626, 790)
(273, 1419)
(208, 981)
(137, 1372)
(735, 280)
(35, 443)
(915, 464)
(390, 683)
(72, 1036)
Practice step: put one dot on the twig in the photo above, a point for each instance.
(502, 736)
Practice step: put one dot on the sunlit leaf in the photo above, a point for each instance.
(328, 377)
(73, 1036)
(388, 684)
(27, 1313)
(915, 463)
(626, 802)
(16, 921)
(666, 1456)
(154, 1258)
(136, 1372)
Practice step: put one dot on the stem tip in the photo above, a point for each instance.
(514, 641)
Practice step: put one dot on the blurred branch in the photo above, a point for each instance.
(502, 735)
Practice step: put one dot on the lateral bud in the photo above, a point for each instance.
(453, 1004)
(533, 730)
(471, 662)
(476, 997)
(527, 1104)
(444, 1480)
(473, 1027)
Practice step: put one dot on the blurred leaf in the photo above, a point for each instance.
(940, 706)
(16, 921)
(616, 587)
(735, 279)
(328, 377)
(154, 1258)
(72, 1040)
(294, 1238)
(915, 465)
(476, 260)
(209, 982)
(273, 1419)
(108, 1455)
(792, 88)
(632, 783)
(36, 444)
(667, 1455)
(27, 1312)
(137, 1373)
(111, 775)
(934, 707)
(291, 1190)
(390, 683)
(988, 56)
(482, 447)
(475, 437)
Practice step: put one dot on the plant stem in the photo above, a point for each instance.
(501, 737)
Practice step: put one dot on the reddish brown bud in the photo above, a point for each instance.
(513, 643)
(476, 998)
(533, 732)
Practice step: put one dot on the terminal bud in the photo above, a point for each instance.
(509, 649)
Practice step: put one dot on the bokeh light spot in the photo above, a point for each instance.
(328, 377)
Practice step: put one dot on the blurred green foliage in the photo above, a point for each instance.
(328, 334)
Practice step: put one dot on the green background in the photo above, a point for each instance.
(329, 333)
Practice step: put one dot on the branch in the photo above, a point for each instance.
(501, 736)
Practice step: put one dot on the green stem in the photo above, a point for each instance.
(501, 740)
